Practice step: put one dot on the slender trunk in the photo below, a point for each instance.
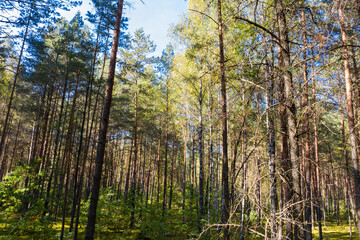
(348, 190)
(271, 156)
(351, 119)
(317, 161)
(308, 229)
(201, 171)
(45, 127)
(77, 190)
(158, 168)
(121, 170)
(211, 155)
(6, 122)
(90, 229)
(166, 149)
(54, 162)
(225, 168)
(133, 182)
(128, 170)
(67, 153)
(243, 187)
(15, 147)
(172, 169)
(143, 171)
(185, 156)
(285, 164)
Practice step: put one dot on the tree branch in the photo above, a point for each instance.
(194, 10)
(258, 26)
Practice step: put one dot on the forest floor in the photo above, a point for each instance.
(15, 228)
(331, 230)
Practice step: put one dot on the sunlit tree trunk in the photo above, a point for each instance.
(225, 168)
(308, 160)
(135, 140)
(166, 149)
(285, 163)
(9, 106)
(350, 114)
(271, 154)
(290, 117)
(158, 168)
(172, 170)
(90, 229)
(201, 164)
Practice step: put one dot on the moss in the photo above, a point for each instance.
(333, 231)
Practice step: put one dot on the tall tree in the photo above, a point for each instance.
(90, 229)
(350, 112)
(225, 172)
(290, 114)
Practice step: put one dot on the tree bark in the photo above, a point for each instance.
(135, 139)
(290, 117)
(166, 149)
(172, 169)
(271, 156)
(350, 114)
(225, 168)
(307, 213)
(90, 229)
(201, 170)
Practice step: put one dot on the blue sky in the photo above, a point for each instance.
(155, 16)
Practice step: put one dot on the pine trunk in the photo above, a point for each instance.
(351, 118)
(225, 168)
(90, 229)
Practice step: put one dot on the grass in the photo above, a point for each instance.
(332, 231)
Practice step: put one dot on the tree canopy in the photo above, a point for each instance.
(245, 127)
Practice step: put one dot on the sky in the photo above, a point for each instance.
(155, 16)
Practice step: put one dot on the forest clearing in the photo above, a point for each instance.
(244, 126)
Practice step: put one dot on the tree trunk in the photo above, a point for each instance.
(90, 229)
(285, 164)
(201, 171)
(308, 229)
(225, 168)
(158, 168)
(351, 119)
(133, 182)
(290, 117)
(57, 142)
(172, 169)
(3, 134)
(185, 155)
(166, 149)
(271, 156)
(67, 153)
(316, 156)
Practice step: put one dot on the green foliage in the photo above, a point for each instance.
(154, 226)
(10, 193)
(19, 209)
(14, 195)
(113, 219)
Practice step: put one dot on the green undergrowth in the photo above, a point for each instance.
(331, 230)
(21, 217)
(152, 226)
